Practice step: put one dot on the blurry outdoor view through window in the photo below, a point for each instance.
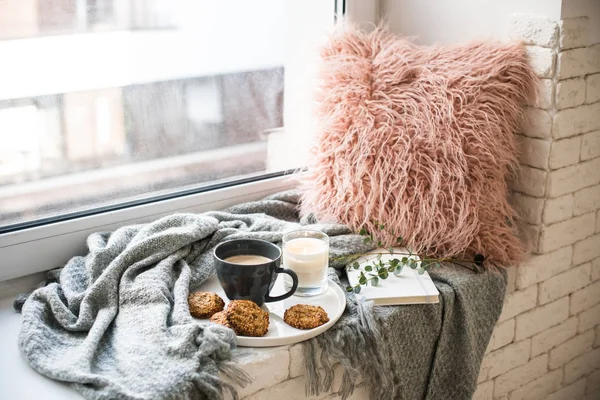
(103, 101)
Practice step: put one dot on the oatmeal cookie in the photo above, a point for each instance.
(304, 316)
(205, 304)
(247, 318)
(221, 319)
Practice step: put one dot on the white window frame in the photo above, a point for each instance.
(29, 251)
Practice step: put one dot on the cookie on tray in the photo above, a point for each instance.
(205, 304)
(247, 318)
(221, 319)
(304, 316)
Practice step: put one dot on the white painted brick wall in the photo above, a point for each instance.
(541, 318)
(593, 382)
(538, 388)
(558, 209)
(577, 120)
(570, 93)
(596, 269)
(507, 358)
(582, 365)
(530, 208)
(518, 302)
(592, 91)
(503, 334)
(537, 123)
(485, 391)
(564, 284)
(519, 376)
(534, 152)
(574, 32)
(566, 232)
(572, 348)
(542, 61)
(585, 298)
(569, 392)
(545, 94)
(587, 249)
(565, 152)
(573, 63)
(542, 267)
(550, 338)
(531, 181)
(568, 179)
(587, 200)
(589, 318)
(590, 145)
(537, 31)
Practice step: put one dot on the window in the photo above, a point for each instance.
(107, 103)
(120, 112)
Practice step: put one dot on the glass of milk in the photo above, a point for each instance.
(306, 252)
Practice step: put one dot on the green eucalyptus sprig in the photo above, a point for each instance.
(381, 269)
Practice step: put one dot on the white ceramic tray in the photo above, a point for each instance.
(333, 302)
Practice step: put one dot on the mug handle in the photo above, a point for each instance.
(284, 296)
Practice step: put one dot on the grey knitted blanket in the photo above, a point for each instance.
(115, 324)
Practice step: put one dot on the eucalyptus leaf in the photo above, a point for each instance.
(355, 265)
(357, 289)
(368, 268)
(374, 281)
(349, 289)
(420, 271)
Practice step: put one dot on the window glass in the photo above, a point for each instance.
(107, 101)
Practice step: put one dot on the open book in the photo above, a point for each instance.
(407, 288)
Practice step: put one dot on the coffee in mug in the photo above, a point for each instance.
(248, 268)
(248, 259)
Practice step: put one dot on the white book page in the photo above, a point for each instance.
(406, 288)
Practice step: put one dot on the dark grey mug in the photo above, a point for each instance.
(251, 282)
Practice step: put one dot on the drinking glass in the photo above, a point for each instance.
(306, 252)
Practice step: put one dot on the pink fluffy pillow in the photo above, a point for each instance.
(421, 138)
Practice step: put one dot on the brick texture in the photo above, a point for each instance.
(570, 392)
(529, 208)
(589, 318)
(537, 31)
(558, 209)
(585, 298)
(582, 365)
(531, 181)
(545, 94)
(590, 145)
(506, 358)
(565, 152)
(519, 302)
(552, 337)
(592, 91)
(564, 284)
(541, 318)
(566, 232)
(570, 349)
(569, 179)
(503, 334)
(537, 123)
(577, 120)
(541, 267)
(570, 93)
(518, 376)
(572, 63)
(534, 152)
(587, 249)
(538, 388)
(587, 200)
(542, 61)
(573, 32)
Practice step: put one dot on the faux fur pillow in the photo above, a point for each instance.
(421, 138)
